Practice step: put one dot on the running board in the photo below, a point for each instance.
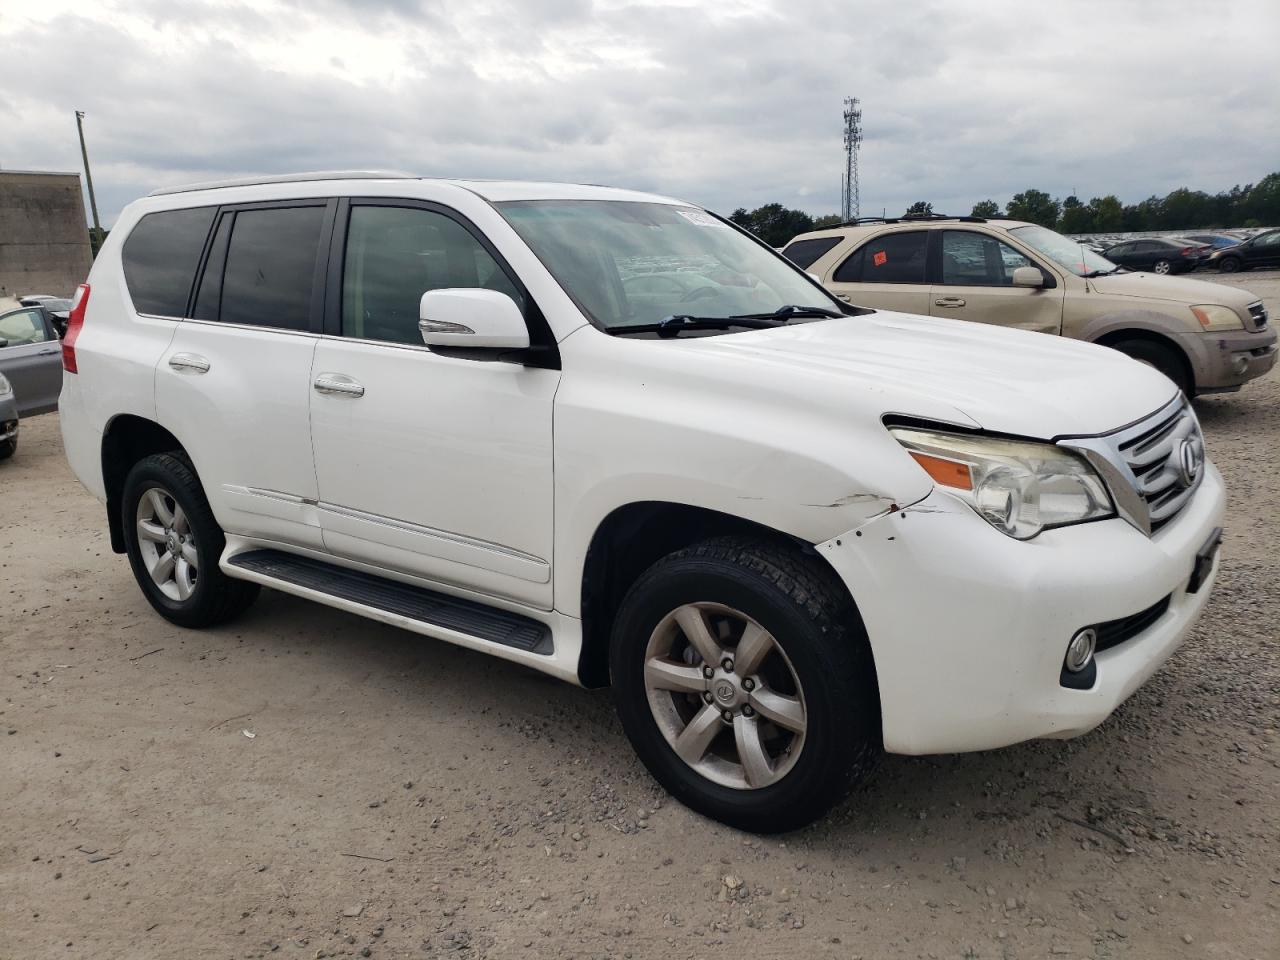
(401, 599)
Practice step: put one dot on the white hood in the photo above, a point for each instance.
(1002, 380)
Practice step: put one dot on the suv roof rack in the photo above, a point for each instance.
(918, 217)
(288, 178)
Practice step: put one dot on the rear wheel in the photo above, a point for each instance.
(1161, 266)
(1164, 358)
(1229, 264)
(744, 680)
(174, 544)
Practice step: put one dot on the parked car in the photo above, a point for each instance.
(1215, 241)
(8, 419)
(30, 358)
(789, 532)
(1206, 337)
(1262, 250)
(58, 307)
(1157, 254)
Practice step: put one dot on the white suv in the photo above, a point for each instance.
(612, 437)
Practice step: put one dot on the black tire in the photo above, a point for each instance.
(804, 607)
(1156, 267)
(8, 448)
(1168, 360)
(216, 598)
(1230, 265)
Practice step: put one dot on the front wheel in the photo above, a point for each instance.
(1229, 265)
(1162, 266)
(174, 543)
(1164, 358)
(743, 678)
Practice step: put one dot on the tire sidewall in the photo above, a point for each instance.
(831, 723)
(1229, 265)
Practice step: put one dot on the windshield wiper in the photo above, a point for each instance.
(792, 310)
(1101, 273)
(671, 326)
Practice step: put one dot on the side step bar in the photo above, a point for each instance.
(391, 596)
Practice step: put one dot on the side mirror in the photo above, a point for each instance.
(1027, 277)
(4, 343)
(465, 317)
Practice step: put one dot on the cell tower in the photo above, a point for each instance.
(849, 204)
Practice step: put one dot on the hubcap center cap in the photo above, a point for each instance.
(171, 542)
(728, 694)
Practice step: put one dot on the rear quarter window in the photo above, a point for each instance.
(160, 258)
(804, 253)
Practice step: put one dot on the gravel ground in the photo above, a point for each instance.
(311, 784)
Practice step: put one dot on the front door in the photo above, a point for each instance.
(31, 359)
(975, 282)
(887, 272)
(429, 463)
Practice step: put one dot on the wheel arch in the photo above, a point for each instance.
(1125, 332)
(634, 536)
(126, 440)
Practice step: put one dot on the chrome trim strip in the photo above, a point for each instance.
(268, 494)
(430, 532)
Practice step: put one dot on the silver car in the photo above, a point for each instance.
(31, 365)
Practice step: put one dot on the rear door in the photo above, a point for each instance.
(974, 281)
(31, 358)
(1265, 250)
(888, 272)
(234, 384)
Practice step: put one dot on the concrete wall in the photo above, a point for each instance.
(44, 242)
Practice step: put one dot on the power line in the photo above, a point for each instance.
(850, 205)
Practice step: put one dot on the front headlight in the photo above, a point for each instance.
(1214, 317)
(6, 387)
(1019, 487)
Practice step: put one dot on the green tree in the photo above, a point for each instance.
(1077, 218)
(985, 208)
(1034, 206)
(919, 208)
(829, 220)
(1263, 201)
(1108, 213)
(773, 223)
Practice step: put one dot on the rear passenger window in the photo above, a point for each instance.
(894, 258)
(270, 267)
(160, 259)
(396, 254)
(804, 253)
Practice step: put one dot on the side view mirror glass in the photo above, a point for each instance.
(1027, 277)
(465, 317)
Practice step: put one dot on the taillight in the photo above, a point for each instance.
(1188, 251)
(75, 320)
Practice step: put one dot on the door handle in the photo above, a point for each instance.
(949, 302)
(189, 363)
(46, 353)
(338, 385)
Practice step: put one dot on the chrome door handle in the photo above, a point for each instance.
(46, 353)
(948, 302)
(338, 385)
(189, 363)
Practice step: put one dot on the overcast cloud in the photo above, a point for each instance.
(727, 104)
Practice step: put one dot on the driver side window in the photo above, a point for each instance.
(23, 327)
(396, 254)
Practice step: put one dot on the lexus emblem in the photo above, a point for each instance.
(1190, 461)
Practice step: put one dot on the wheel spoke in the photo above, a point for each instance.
(189, 553)
(161, 509)
(665, 675)
(150, 530)
(163, 569)
(751, 752)
(754, 646)
(785, 711)
(183, 577)
(179, 518)
(694, 624)
(695, 739)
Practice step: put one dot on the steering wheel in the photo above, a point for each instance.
(699, 293)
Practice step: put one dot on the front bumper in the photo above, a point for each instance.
(1226, 362)
(969, 627)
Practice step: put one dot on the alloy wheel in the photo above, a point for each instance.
(167, 544)
(1161, 266)
(725, 696)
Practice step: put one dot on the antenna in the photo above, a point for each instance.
(850, 206)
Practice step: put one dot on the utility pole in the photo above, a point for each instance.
(88, 179)
(850, 206)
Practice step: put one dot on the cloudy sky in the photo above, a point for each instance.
(728, 103)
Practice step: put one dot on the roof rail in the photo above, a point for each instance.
(287, 178)
(918, 217)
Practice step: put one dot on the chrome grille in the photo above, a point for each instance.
(1152, 467)
(1258, 314)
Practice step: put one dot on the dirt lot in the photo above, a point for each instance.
(309, 784)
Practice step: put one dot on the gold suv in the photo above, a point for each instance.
(1206, 337)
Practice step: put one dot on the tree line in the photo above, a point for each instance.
(1253, 205)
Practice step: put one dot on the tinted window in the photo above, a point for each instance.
(161, 256)
(395, 255)
(270, 267)
(804, 252)
(1119, 250)
(209, 296)
(894, 258)
(850, 271)
(974, 259)
(22, 327)
(1268, 240)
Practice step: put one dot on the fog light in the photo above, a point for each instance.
(1240, 363)
(1080, 649)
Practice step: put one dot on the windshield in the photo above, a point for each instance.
(1065, 252)
(630, 264)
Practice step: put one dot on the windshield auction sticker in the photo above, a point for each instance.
(700, 217)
